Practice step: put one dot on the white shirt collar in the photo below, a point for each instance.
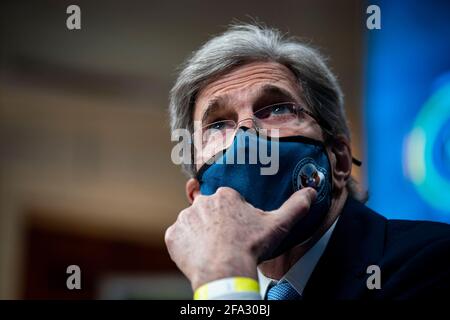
(299, 274)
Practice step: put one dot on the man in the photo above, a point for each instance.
(239, 239)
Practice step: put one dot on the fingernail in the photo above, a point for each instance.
(313, 193)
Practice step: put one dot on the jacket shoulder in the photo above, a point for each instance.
(416, 259)
(415, 234)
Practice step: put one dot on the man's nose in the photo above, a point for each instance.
(248, 122)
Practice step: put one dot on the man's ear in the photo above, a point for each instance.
(192, 189)
(341, 161)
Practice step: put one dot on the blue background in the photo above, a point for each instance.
(408, 61)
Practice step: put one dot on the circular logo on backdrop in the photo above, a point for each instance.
(427, 147)
(308, 173)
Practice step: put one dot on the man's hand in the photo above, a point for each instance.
(222, 235)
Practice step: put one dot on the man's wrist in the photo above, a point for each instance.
(247, 288)
(244, 267)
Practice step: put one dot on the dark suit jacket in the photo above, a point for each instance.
(413, 256)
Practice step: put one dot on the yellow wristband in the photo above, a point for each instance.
(226, 286)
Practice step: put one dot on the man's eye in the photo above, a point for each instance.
(282, 109)
(217, 126)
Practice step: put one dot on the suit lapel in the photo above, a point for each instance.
(356, 243)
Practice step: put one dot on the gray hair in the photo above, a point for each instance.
(242, 44)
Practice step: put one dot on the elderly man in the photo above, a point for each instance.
(302, 232)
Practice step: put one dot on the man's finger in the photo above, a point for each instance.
(296, 206)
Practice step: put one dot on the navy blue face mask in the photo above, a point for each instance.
(302, 162)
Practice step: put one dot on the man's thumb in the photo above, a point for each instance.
(294, 208)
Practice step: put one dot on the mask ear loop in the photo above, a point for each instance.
(356, 162)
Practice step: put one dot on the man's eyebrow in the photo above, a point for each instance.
(269, 94)
(213, 105)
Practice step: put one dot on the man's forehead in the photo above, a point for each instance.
(245, 80)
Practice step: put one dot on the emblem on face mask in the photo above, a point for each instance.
(308, 174)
